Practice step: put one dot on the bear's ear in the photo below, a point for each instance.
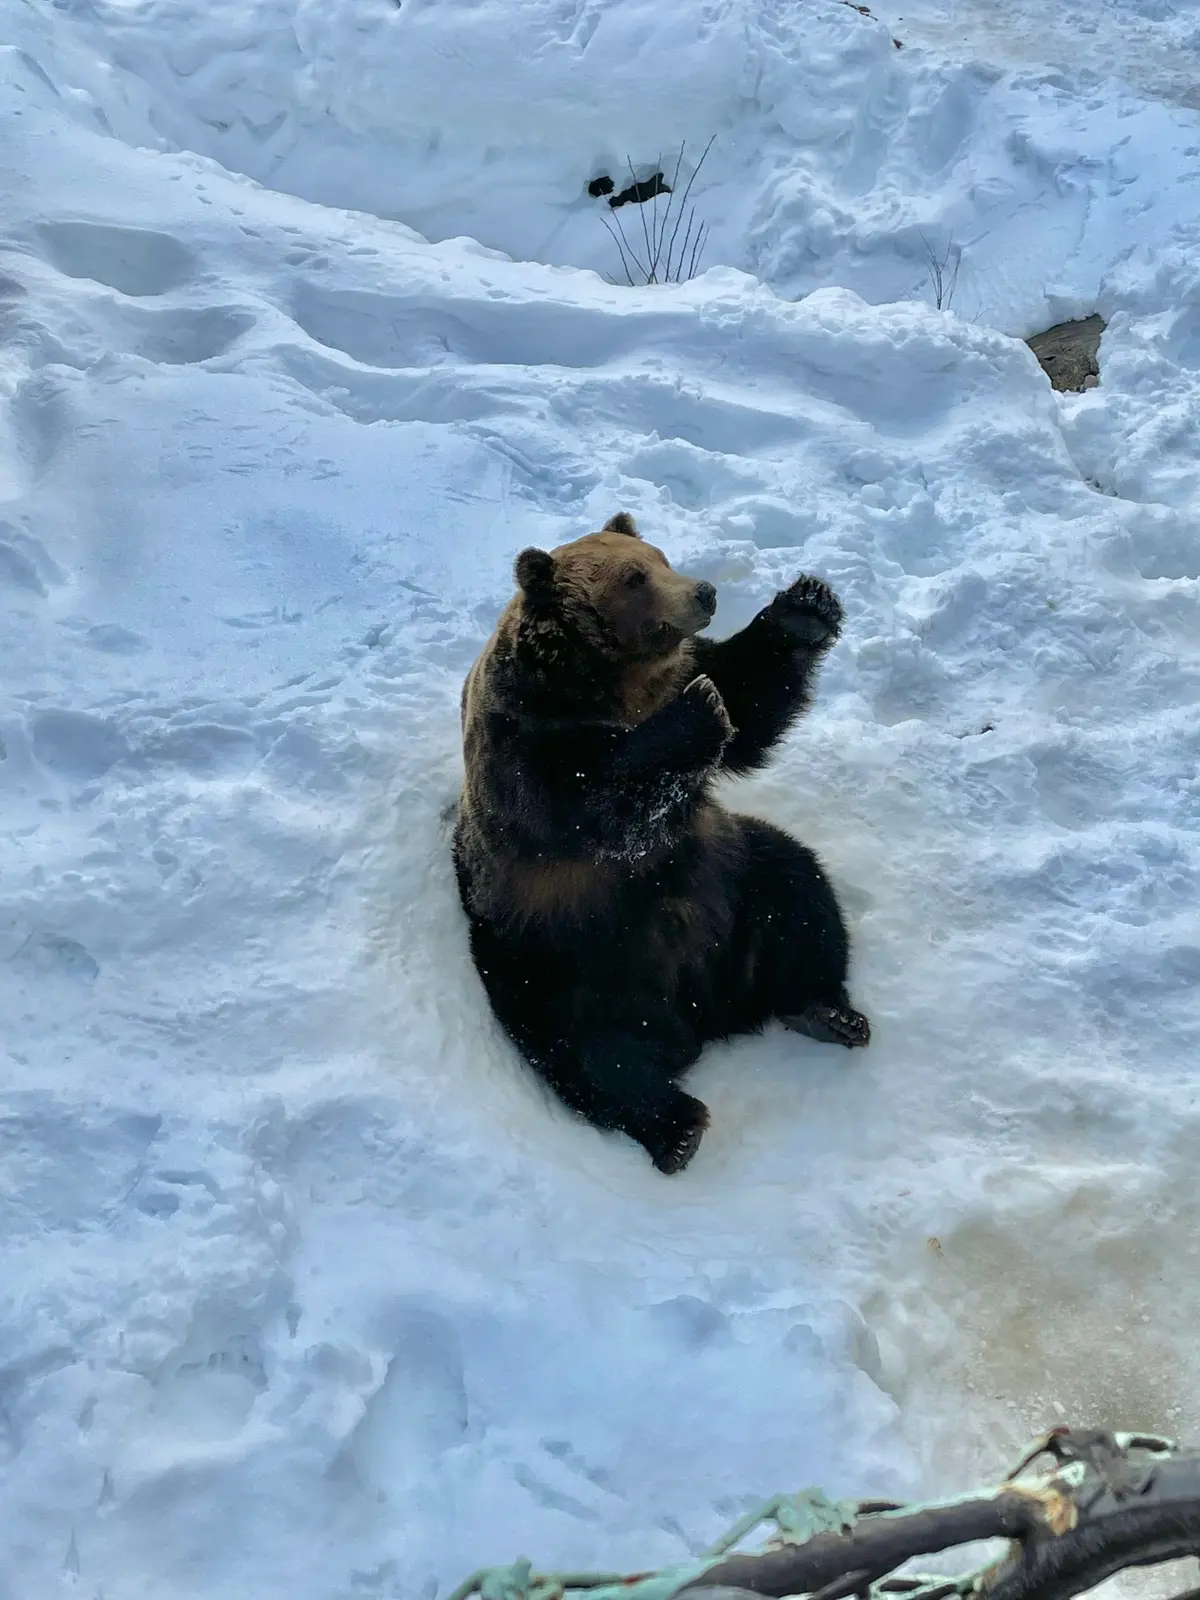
(622, 523)
(534, 573)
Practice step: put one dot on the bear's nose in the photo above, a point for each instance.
(706, 597)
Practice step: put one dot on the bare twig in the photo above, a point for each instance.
(830, 1561)
(619, 240)
(655, 260)
(645, 229)
(943, 276)
(697, 251)
(683, 202)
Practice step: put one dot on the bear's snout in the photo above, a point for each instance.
(706, 598)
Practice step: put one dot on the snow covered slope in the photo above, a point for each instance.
(306, 1288)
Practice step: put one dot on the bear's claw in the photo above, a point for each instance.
(832, 1025)
(682, 1140)
(809, 611)
(703, 696)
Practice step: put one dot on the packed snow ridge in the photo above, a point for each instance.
(307, 330)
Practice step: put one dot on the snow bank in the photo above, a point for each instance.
(307, 1289)
(839, 157)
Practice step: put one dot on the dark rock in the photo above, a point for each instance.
(1068, 353)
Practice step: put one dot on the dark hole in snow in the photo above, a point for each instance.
(638, 193)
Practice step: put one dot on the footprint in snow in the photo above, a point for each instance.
(76, 744)
(25, 564)
(184, 336)
(207, 1389)
(132, 261)
(419, 1410)
(54, 954)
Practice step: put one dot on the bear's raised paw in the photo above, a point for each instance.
(809, 612)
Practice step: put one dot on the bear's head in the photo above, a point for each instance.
(614, 592)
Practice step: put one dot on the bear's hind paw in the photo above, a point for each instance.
(831, 1025)
(674, 1145)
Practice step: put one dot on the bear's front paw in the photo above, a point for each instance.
(702, 702)
(809, 612)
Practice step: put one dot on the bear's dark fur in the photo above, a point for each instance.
(619, 917)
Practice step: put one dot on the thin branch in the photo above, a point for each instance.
(1115, 1501)
(663, 259)
(943, 288)
(642, 215)
(686, 237)
(684, 198)
(618, 240)
(873, 1548)
(698, 250)
(674, 192)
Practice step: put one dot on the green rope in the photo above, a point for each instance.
(797, 1518)
(520, 1582)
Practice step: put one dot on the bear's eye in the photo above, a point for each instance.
(635, 578)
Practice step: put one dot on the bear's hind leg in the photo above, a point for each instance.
(624, 1082)
(795, 937)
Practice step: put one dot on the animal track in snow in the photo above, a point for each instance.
(299, 759)
(551, 1499)
(693, 1322)
(54, 953)
(184, 337)
(563, 1451)
(1075, 790)
(19, 1407)
(25, 564)
(373, 329)
(695, 479)
(113, 639)
(64, 1171)
(418, 330)
(1183, 341)
(382, 395)
(76, 744)
(419, 1410)
(159, 1193)
(130, 260)
(1166, 549)
(771, 524)
(40, 418)
(207, 1389)
(209, 749)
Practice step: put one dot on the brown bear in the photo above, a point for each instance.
(620, 918)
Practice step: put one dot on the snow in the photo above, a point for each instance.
(307, 1288)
